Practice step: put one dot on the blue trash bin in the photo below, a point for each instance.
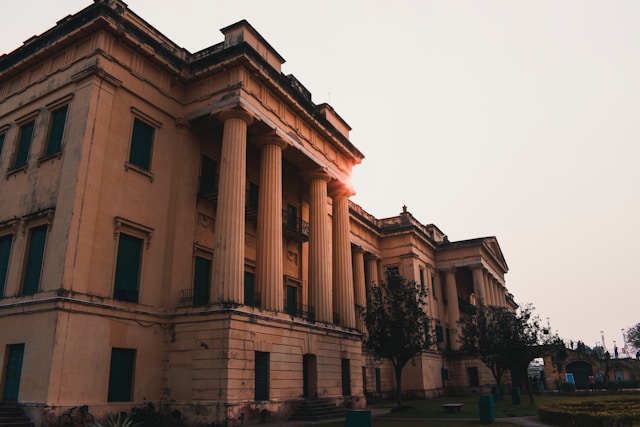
(487, 410)
(358, 418)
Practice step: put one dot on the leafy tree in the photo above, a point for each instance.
(397, 324)
(505, 340)
(633, 335)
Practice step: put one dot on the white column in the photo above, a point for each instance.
(452, 307)
(343, 298)
(359, 290)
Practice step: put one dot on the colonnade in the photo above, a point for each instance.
(331, 275)
(487, 289)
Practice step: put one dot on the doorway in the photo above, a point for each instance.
(309, 376)
(12, 374)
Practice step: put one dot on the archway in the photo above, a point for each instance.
(581, 371)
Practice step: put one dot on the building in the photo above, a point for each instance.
(177, 227)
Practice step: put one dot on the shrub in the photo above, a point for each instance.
(615, 413)
(567, 387)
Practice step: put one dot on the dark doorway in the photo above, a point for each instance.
(346, 377)
(13, 372)
(309, 376)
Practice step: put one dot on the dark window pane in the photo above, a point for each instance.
(208, 176)
(262, 376)
(127, 268)
(249, 288)
(33, 270)
(141, 144)
(24, 145)
(5, 252)
(1, 143)
(58, 119)
(201, 281)
(292, 299)
(121, 374)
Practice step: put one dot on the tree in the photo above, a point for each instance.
(505, 340)
(396, 322)
(633, 336)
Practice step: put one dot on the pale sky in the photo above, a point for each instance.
(514, 119)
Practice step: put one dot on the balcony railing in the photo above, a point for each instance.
(300, 310)
(188, 299)
(294, 227)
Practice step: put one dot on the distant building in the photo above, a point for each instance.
(176, 226)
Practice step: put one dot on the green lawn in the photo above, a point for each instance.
(422, 412)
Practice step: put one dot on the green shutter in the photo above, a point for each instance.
(24, 145)
(38, 237)
(208, 176)
(249, 288)
(5, 251)
(292, 299)
(127, 268)
(121, 374)
(141, 144)
(201, 280)
(58, 119)
(262, 376)
(13, 372)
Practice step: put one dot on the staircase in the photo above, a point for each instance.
(13, 416)
(316, 410)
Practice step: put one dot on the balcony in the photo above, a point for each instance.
(299, 310)
(294, 227)
(189, 299)
(466, 306)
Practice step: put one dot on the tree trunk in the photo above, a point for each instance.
(398, 373)
(532, 398)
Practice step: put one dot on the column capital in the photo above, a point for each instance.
(270, 139)
(371, 256)
(339, 188)
(236, 114)
(320, 173)
(477, 267)
(357, 249)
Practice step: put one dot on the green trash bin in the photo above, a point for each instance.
(358, 418)
(515, 395)
(487, 410)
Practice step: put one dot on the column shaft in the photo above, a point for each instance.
(228, 259)
(342, 267)
(372, 272)
(269, 271)
(478, 286)
(319, 248)
(452, 307)
(359, 291)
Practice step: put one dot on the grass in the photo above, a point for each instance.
(420, 413)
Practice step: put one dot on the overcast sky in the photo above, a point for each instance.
(514, 119)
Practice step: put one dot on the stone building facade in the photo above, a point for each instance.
(176, 227)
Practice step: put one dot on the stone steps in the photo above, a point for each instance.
(13, 416)
(317, 410)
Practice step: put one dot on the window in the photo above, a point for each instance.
(201, 281)
(2, 136)
(253, 195)
(433, 287)
(292, 300)
(346, 377)
(262, 376)
(250, 296)
(208, 177)
(472, 373)
(24, 144)
(392, 271)
(141, 145)
(56, 131)
(292, 217)
(35, 256)
(5, 252)
(422, 286)
(378, 381)
(128, 264)
(121, 374)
